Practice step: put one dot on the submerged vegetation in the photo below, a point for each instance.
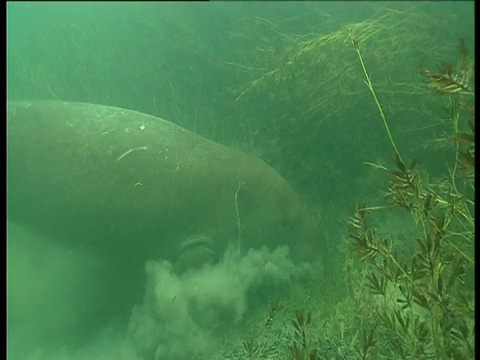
(411, 294)
(420, 293)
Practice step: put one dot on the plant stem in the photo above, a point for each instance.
(369, 84)
(239, 226)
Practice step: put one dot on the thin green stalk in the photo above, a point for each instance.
(369, 84)
(239, 225)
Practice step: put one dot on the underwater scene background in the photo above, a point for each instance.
(290, 83)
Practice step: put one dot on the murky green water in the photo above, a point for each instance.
(280, 81)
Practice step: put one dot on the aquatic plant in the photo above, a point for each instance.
(419, 301)
(301, 349)
(298, 100)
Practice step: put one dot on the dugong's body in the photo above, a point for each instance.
(136, 186)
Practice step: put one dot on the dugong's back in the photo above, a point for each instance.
(111, 177)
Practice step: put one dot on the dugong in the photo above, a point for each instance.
(135, 186)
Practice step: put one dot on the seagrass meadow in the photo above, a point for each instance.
(367, 110)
